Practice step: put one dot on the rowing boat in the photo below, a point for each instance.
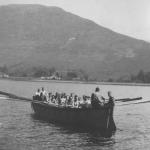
(99, 119)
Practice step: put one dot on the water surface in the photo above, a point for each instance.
(20, 130)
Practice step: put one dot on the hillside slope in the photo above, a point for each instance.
(35, 35)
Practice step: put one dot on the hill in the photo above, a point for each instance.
(35, 35)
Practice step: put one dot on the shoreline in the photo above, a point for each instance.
(76, 82)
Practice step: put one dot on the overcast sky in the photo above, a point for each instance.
(130, 17)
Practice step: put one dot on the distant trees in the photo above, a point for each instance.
(140, 77)
(40, 71)
(4, 69)
(110, 80)
(71, 75)
(32, 72)
(77, 75)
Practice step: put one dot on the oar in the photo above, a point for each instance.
(14, 97)
(135, 103)
(128, 99)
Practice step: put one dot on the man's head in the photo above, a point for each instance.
(97, 89)
(109, 93)
(42, 88)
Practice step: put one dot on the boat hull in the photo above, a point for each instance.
(98, 119)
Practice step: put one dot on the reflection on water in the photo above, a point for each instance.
(76, 129)
(90, 138)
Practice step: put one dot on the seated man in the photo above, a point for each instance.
(43, 94)
(37, 95)
(75, 102)
(70, 100)
(63, 100)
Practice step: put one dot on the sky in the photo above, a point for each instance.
(129, 17)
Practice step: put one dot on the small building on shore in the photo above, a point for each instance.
(3, 75)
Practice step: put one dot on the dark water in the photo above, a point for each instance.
(20, 130)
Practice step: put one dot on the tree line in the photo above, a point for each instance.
(39, 71)
(140, 77)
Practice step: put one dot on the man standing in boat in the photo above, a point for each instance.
(99, 96)
(97, 99)
(111, 99)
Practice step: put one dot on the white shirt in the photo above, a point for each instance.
(44, 93)
(63, 100)
(37, 93)
(99, 97)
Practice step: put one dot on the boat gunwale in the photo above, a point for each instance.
(58, 107)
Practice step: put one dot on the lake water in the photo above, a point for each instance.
(20, 130)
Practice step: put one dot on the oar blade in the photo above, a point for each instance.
(128, 99)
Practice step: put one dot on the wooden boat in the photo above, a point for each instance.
(98, 119)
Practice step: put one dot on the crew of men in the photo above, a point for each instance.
(96, 100)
